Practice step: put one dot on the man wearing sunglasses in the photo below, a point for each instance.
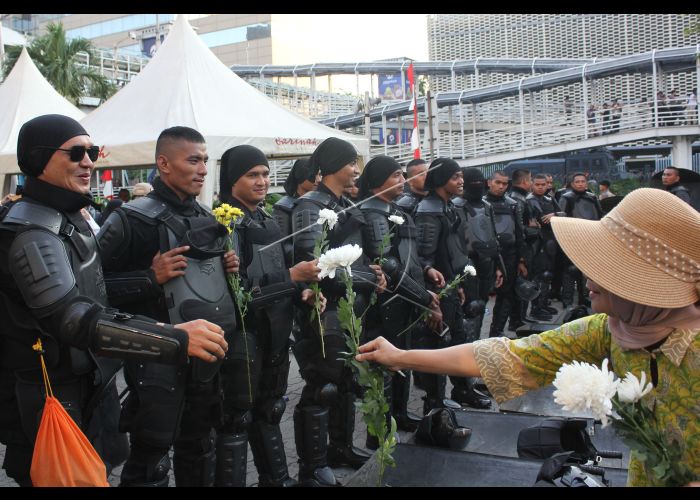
(52, 288)
(164, 257)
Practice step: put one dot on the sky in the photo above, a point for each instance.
(316, 38)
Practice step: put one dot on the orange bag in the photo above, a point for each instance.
(63, 456)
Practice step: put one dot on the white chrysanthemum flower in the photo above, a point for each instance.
(631, 389)
(582, 386)
(470, 270)
(396, 219)
(338, 257)
(328, 216)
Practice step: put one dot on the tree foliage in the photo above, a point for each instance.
(56, 58)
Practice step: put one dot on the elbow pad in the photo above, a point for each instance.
(403, 284)
(110, 333)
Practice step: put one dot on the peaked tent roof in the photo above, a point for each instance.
(186, 84)
(12, 37)
(26, 94)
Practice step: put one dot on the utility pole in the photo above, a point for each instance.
(158, 32)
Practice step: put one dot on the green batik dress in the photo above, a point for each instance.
(512, 367)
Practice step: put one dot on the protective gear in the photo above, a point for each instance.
(408, 202)
(196, 468)
(146, 470)
(525, 289)
(282, 215)
(268, 452)
(506, 222)
(341, 450)
(231, 459)
(480, 229)
(439, 427)
(581, 205)
(310, 435)
(474, 308)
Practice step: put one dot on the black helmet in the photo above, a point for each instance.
(525, 289)
(474, 308)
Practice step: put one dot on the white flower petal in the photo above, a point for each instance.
(584, 387)
(328, 216)
(470, 270)
(396, 219)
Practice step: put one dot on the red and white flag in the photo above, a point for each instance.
(107, 190)
(415, 138)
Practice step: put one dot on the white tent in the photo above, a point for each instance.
(12, 37)
(25, 94)
(186, 84)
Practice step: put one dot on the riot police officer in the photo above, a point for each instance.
(256, 370)
(324, 419)
(416, 171)
(542, 208)
(482, 242)
(581, 203)
(671, 181)
(511, 239)
(163, 255)
(52, 288)
(300, 181)
(443, 255)
(389, 238)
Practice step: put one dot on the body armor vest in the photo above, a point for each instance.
(266, 275)
(408, 202)
(581, 206)
(282, 214)
(479, 229)
(203, 291)
(505, 212)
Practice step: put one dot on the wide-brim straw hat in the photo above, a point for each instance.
(646, 250)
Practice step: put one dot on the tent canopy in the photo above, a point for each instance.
(25, 94)
(186, 84)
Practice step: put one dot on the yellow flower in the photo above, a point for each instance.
(226, 215)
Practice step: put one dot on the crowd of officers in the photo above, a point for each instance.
(148, 291)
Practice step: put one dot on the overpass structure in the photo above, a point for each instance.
(521, 119)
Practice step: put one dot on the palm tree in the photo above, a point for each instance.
(55, 56)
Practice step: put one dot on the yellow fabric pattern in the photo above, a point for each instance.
(512, 367)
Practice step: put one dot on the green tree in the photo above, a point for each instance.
(694, 28)
(56, 58)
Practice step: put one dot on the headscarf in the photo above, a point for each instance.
(300, 172)
(38, 136)
(440, 171)
(332, 155)
(635, 326)
(376, 172)
(235, 162)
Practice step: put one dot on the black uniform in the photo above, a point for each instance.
(52, 288)
(441, 245)
(545, 250)
(392, 316)
(409, 201)
(482, 247)
(329, 382)
(680, 191)
(169, 406)
(583, 205)
(253, 412)
(511, 239)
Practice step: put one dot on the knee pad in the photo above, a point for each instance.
(237, 422)
(271, 411)
(327, 395)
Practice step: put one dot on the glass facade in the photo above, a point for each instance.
(236, 35)
(119, 25)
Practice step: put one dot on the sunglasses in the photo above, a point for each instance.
(77, 153)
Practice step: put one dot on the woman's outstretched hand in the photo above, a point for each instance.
(381, 351)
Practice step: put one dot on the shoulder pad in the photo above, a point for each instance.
(41, 270)
(590, 196)
(459, 202)
(264, 213)
(145, 206)
(24, 213)
(530, 196)
(285, 203)
(431, 206)
(406, 201)
(318, 197)
(510, 201)
(376, 204)
(114, 236)
(568, 194)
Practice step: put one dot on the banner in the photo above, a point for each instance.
(390, 87)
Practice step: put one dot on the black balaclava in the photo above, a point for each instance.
(46, 131)
(438, 177)
(300, 172)
(377, 170)
(332, 155)
(474, 184)
(235, 162)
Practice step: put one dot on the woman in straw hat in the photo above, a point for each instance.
(644, 283)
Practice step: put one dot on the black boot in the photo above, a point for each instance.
(311, 438)
(146, 469)
(192, 467)
(268, 453)
(340, 431)
(464, 393)
(231, 459)
(401, 389)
